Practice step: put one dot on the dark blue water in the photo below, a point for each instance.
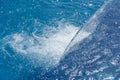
(39, 40)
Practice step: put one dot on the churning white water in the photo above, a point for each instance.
(48, 47)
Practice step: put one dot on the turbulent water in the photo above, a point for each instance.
(59, 39)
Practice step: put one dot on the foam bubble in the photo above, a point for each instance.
(47, 47)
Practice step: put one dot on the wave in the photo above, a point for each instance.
(87, 29)
(49, 47)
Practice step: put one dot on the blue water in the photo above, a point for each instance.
(34, 35)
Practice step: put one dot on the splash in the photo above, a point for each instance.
(46, 48)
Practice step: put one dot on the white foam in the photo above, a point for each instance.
(48, 47)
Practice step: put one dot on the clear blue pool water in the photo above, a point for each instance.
(59, 39)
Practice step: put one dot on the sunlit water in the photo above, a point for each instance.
(59, 40)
